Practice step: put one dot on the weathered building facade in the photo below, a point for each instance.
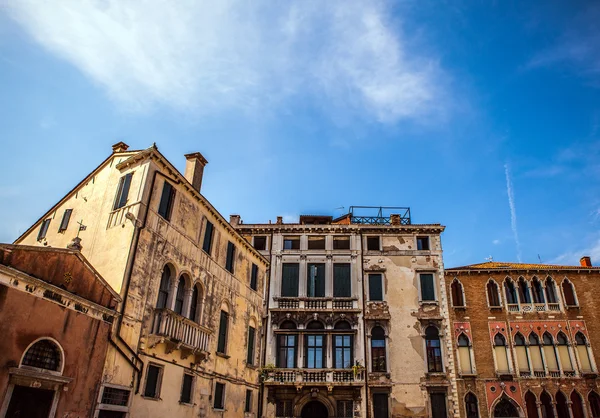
(356, 317)
(56, 314)
(187, 340)
(526, 338)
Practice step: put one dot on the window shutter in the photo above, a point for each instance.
(375, 287)
(248, 407)
(186, 390)
(118, 195)
(250, 356)
(125, 190)
(427, 291)
(230, 262)
(208, 234)
(152, 382)
(290, 279)
(254, 277)
(320, 280)
(222, 332)
(163, 208)
(341, 280)
(43, 229)
(64, 223)
(219, 392)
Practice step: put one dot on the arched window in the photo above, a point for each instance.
(314, 346)
(505, 408)
(44, 354)
(531, 405)
(594, 400)
(522, 358)
(493, 294)
(551, 291)
(583, 351)
(434, 350)
(546, 408)
(563, 352)
(550, 355)
(342, 325)
(378, 358)
(179, 296)
(538, 291)
(569, 293)
(524, 294)
(196, 304)
(464, 355)
(163, 291)
(501, 354)
(457, 294)
(471, 405)
(562, 410)
(315, 325)
(577, 405)
(287, 325)
(535, 354)
(510, 291)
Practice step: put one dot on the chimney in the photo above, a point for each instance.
(279, 220)
(585, 261)
(194, 168)
(120, 147)
(234, 220)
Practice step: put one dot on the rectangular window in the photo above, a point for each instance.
(290, 279)
(254, 277)
(230, 262)
(284, 409)
(115, 396)
(291, 243)
(250, 354)
(122, 191)
(316, 243)
(341, 280)
(427, 287)
(375, 287)
(260, 242)
(43, 229)
(315, 281)
(248, 407)
(208, 237)
(165, 208)
(219, 396)
(373, 244)
(286, 351)
(342, 351)
(64, 223)
(345, 409)
(223, 323)
(422, 243)
(314, 348)
(380, 405)
(153, 377)
(186, 388)
(341, 243)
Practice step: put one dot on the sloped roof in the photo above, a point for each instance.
(497, 265)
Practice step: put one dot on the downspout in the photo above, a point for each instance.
(261, 389)
(362, 273)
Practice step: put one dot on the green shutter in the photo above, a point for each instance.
(341, 280)
(222, 332)
(375, 287)
(427, 290)
(289, 279)
(250, 354)
(208, 234)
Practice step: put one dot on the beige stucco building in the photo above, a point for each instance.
(188, 340)
(357, 317)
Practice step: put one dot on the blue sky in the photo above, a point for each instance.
(480, 115)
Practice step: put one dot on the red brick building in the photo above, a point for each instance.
(526, 339)
(55, 320)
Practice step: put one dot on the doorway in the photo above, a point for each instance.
(30, 402)
(314, 409)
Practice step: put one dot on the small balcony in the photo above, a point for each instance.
(343, 377)
(180, 333)
(317, 304)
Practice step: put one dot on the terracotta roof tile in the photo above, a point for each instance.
(497, 265)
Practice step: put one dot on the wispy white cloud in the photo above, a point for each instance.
(205, 55)
(572, 257)
(496, 242)
(513, 210)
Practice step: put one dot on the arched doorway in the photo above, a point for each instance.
(314, 409)
(505, 408)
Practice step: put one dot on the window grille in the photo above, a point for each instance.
(114, 396)
(44, 355)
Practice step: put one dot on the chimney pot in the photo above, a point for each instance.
(120, 147)
(194, 169)
(279, 220)
(234, 220)
(585, 261)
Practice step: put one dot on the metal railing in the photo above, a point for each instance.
(379, 215)
(512, 307)
(315, 376)
(180, 329)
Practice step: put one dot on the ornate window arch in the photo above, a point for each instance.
(536, 356)
(510, 292)
(569, 294)
(562, 408)
(594, 400)
(433, 347)
(44, 354)
(550, 355)
(522, 356)
(537, 291)
(167, 276)
(471, 405)
(577, 405)
(465, 354)
(564, 353)
(458, 294)
(531, 405)
(584, 353)
(501, 354)
(524, 293)
(546, 404)
(181, 294)
(551, 294)
(506, 407)
(493, 294)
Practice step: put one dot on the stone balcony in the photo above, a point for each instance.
(306, 377)
(180, 333)
(316, 304)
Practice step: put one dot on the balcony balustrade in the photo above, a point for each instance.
(180, 330)
(317, 304)
(310, 376)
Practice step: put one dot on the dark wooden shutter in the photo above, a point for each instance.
(250, 354)
(230, 263)
(380, 405)
(254, 277)
(152, 382)
(208, 234)
(438, 405)
(375, 287)
(163, 207)
(341, 280)
(186, 389)
(43, 229)
(427, 291)
(64, 223)
(119, 194)
(248, 407)
(219, 393)
(290, 279)
(222, 332)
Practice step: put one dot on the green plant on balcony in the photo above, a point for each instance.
(265, 371)
(357, 368)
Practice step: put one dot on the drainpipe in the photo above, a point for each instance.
(261, 389)
(362, 273)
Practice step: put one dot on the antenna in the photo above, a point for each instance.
(540, 258)
(490, 258)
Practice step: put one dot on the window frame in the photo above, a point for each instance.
(379, 368)
(207, 241)
(369, 240)
(287, 347)
(190, 401)
(314, 239)
(248, 402)
(170, 202)
(292, 286)
(319, 289)
(341, 238)
(221, 407)
(437, 354)
(251, 346)
(64, 222)
(336, 278)
(222, 343)
(230, 260)
(420, 239)
(44, 226)
(158, 388)
(292, 239)
(343, 347)
(422, 300)
(315, 347)
(369, 278)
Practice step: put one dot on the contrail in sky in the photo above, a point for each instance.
(513, 211)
